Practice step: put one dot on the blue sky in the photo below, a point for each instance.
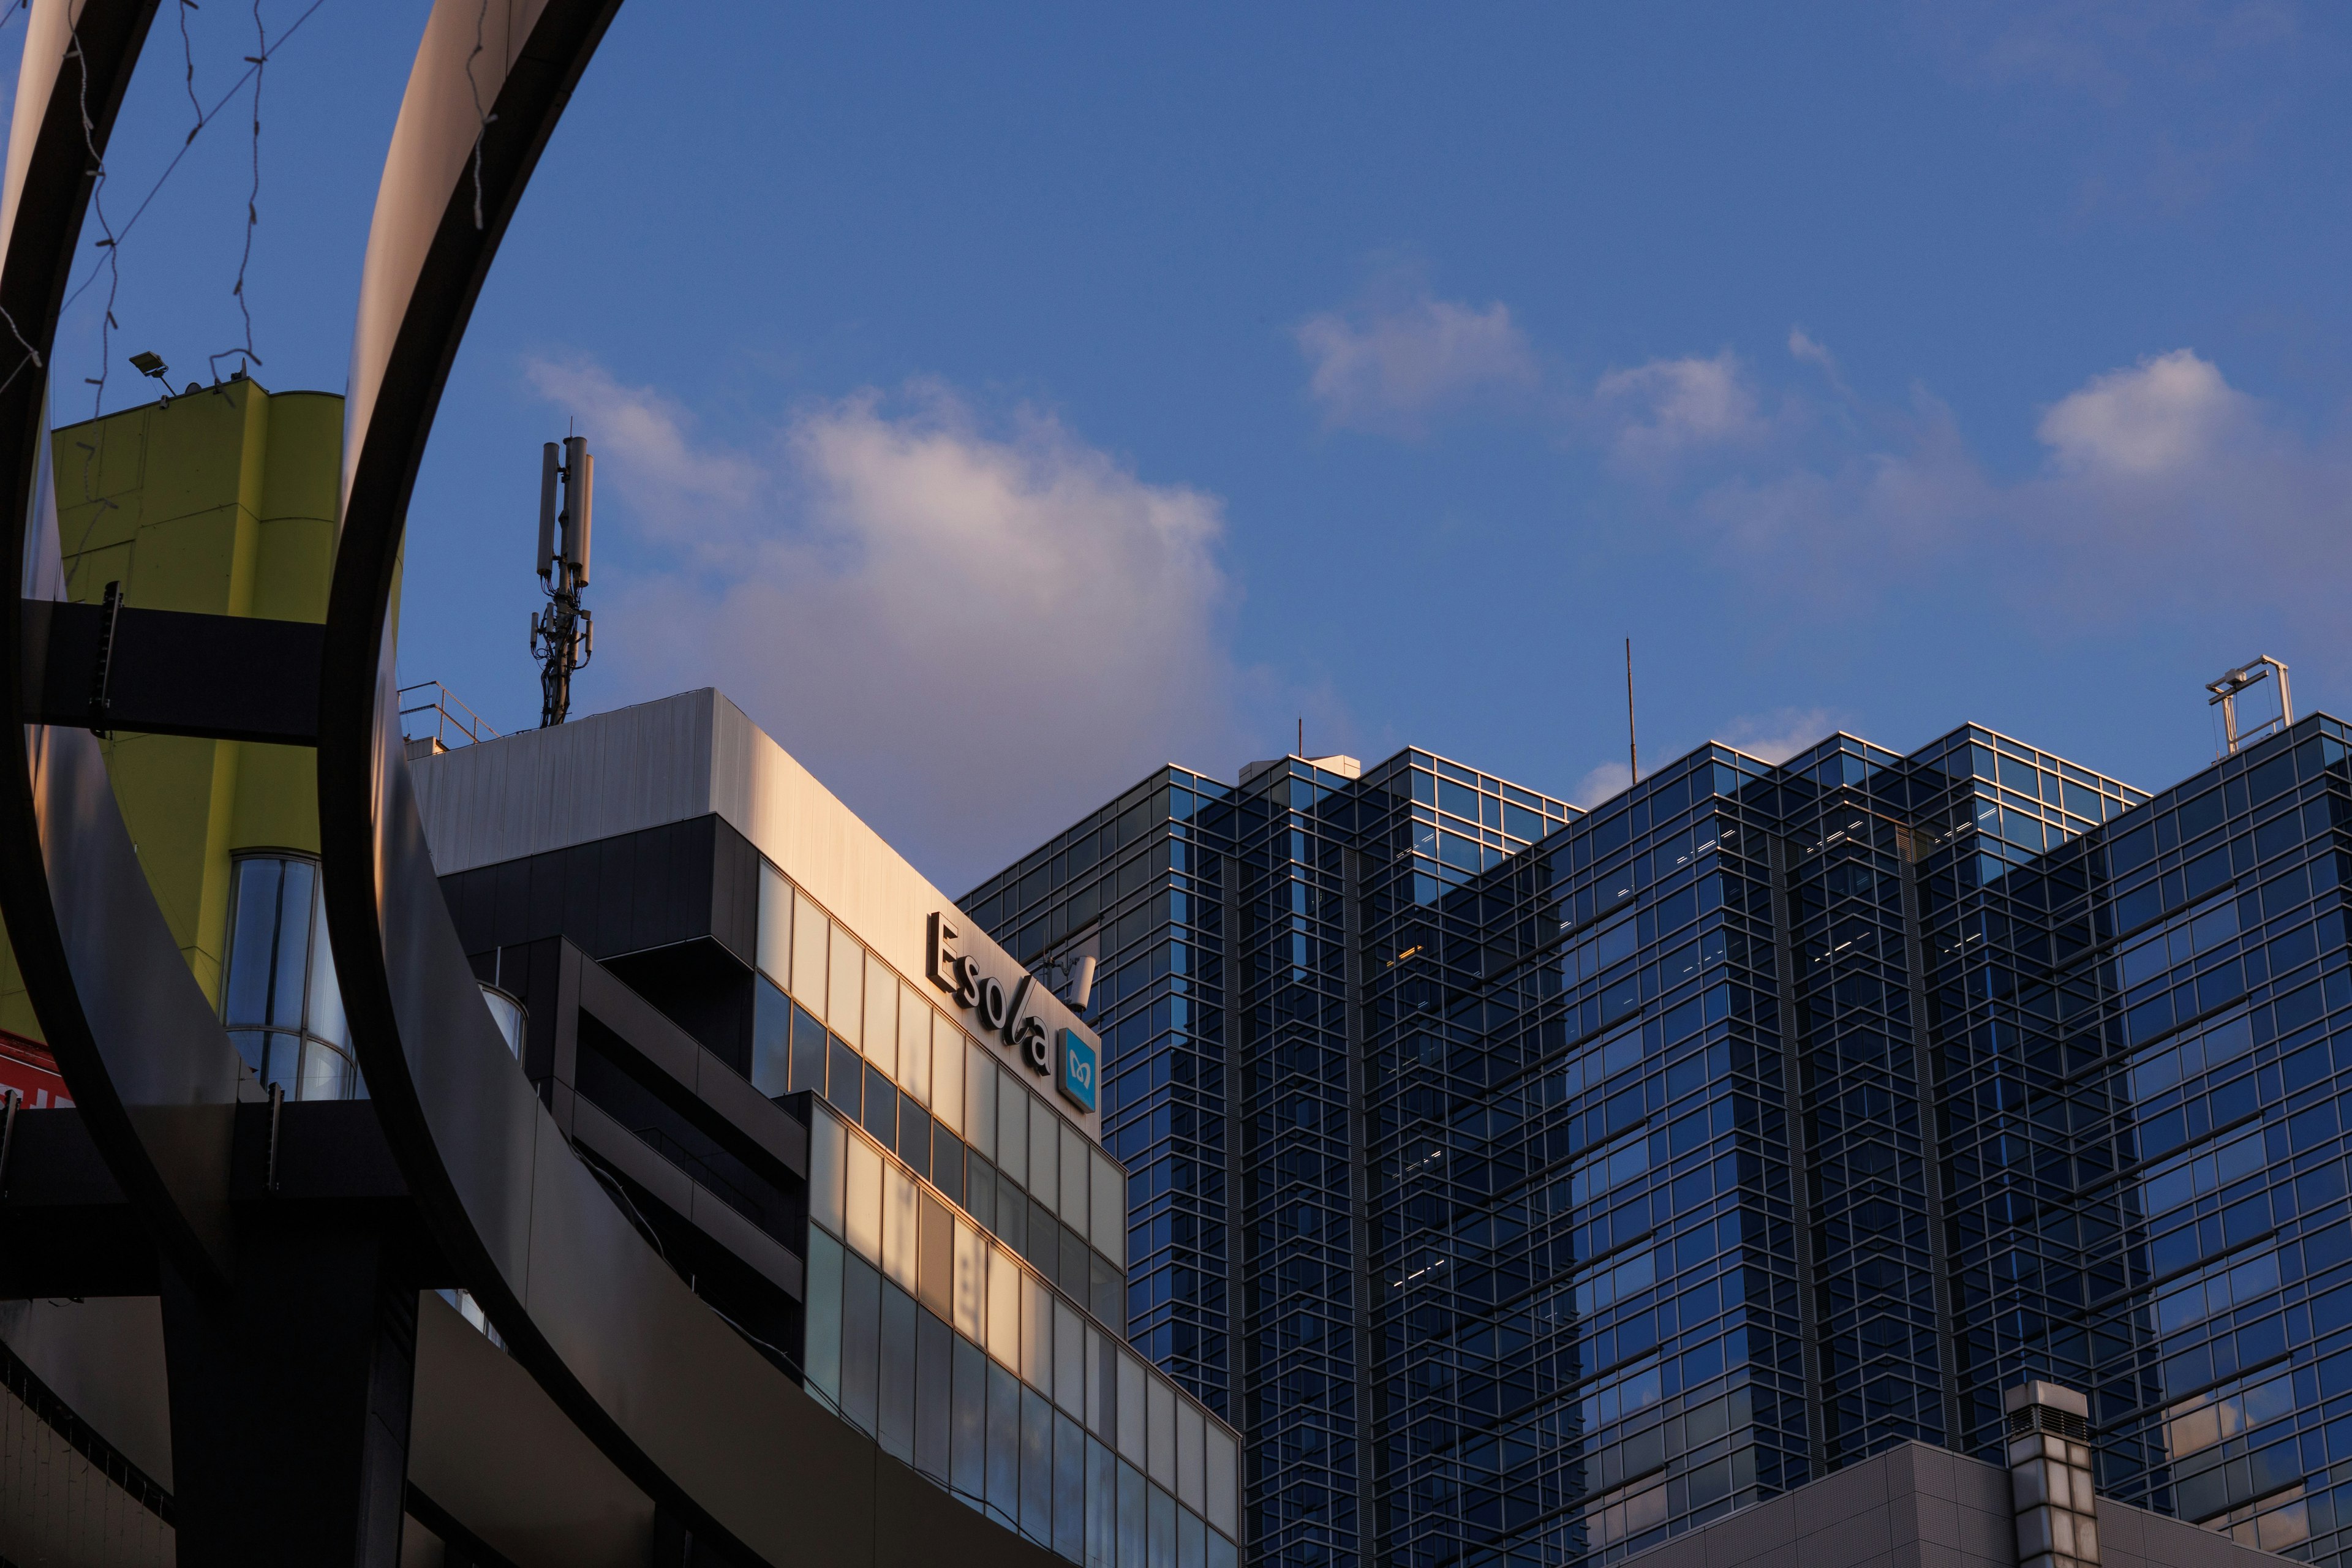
(999, 402)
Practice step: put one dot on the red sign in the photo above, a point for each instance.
(31, 1071)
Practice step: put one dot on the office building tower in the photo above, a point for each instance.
(1585, 1182)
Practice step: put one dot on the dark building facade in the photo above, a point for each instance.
(1532, 1185)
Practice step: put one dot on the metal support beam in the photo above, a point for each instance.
(170, 672)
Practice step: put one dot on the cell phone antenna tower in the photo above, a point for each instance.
(563, 634)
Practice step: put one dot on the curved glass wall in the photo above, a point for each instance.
(281, 1000)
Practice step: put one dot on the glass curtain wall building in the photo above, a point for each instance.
(1228, 1003)
(1763, 1118)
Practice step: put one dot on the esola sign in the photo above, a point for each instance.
(1011, 1018)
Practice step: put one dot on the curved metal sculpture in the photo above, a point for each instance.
(673, 1396)
(677, 1399)
(150, 1067)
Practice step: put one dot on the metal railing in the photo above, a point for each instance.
(451, 722)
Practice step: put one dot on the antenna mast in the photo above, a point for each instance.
(563, 636)
(1632, 748)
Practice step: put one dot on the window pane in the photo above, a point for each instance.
(979, 1098)
(1036, 1467)
(1004, 1445)
(971, 1282)
(1130, 1408)
(326, 1073)
(1037, 1334)
(898, 1235)
(327, 1019)
(776, 941)
(970, 1442)
(882, 1018)
(826, 1157)
(1190, 1459)
(1011, 1127)
(1069, 1360)
(1159, 1549)
(1224, 1481)
(915, 1044)
(1012, 1216)
(809, 963)
(772, 1038)
(947, 1073)
(862, 1219)
(880, 1110)
(1131, 1517)
(846, 1086)
(1044, 1154)
(1073, 1206)
(1102, 1506)
(250, 943)
(1108, 1232)
(980, 1191)
(808, 1052)
(823, 1348)
(1159, 1437)
(895, 1419)
(947, 1163)
(284, 1069)
(845, 994)
(1003, 1308)
(915, 1136)
(861, 1340)
(1069, 1488)
(935, 1346)
(292, 974)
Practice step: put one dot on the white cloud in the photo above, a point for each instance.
(1388, 367)
(1669, 407)
(1807, 350)
(1603, 783)
(2164, 487)
(970, 633)
(2166, 414)
(1777, 736)
(1802, 347)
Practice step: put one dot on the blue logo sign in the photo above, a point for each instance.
(1080, 1066)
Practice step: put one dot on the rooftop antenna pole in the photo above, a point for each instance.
(1633, 746)
(1302, 734)
(563, 634)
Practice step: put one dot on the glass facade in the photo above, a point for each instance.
(279, 997)
(1533, 1185)
(966, 1362)
(1228, 1005)
(966, 1267)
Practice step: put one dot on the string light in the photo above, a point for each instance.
(482, 132)
(188, 51)
(111, 243)
(252, 202)
(211, 114)
(108, 325)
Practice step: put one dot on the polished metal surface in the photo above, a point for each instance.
(149, 1066)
